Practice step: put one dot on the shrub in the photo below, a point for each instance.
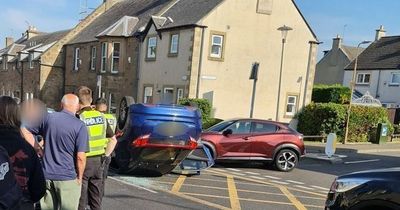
(331, 93)
(325, 118)
(321, 119)
(202, 104)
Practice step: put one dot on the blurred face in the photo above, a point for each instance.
(101, 108)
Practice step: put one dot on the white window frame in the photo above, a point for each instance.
(174, 44)
(104, 51)
(149, 48)
(76, 58)
(179, 94)
(221, 46)
(30, 58)
(113, 57)
(293, 104)
(363, 79)
(391, 78)
(93, 56)
(144, 93)
(5, 67)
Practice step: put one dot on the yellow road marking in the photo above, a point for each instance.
(213, 180)
(292, 199)
(178, 184)
(264, 183)
(233, 195)
(240, 190)
(243, 199)
(182, 195)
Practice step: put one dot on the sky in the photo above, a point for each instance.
(354, 20)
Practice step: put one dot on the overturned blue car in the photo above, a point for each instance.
(158, 139)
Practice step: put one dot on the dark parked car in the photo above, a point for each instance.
(157, 138)
(255, 140)
(367, 190)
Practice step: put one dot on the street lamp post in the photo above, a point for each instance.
(284, 30)
(352, 86)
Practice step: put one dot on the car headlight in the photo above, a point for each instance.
(343, 185)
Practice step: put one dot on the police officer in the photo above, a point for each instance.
(101, 106)
(102, 142)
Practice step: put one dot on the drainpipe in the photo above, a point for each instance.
(138, 60)
(379, 83)
(200, 63)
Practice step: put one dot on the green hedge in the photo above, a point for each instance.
(325, 118)
(202, 104)
(211, 122)
(331, 93)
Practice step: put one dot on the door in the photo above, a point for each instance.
(264, 139)
(236, 145)
(168, 96)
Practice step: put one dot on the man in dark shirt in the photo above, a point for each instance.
(64, 160)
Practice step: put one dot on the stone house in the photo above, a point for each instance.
(103, 56)
(205, 49)
(330, 69)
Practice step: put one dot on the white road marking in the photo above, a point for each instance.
(307, 188)
(217, 169)
(295, 182)
(234, 169)
(256, 177)
(362, 161)
(321, 188)
(131, 184)
(252, 173)
(272, 177)
(238, 174)
(279, 182)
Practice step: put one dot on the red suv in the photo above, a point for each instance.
(255, 140)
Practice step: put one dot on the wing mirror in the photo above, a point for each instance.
(227, 132)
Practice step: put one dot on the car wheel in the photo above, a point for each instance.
(123, 114)
(286, 160)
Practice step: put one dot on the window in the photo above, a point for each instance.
(76, 59)
(151, 48)
(240, 127)
(291, 105)
(179, 94)
(217, 42)
(363, 78)
(174, 45)
(264, 128)
(5, 61)
(115, 57)
(30, 60)
(395, 80)
(112, 106)
(148, 95)
(103, 67)
(93, 53)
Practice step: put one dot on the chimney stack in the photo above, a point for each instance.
(31, 32)
(9, 41)
(380, 33)
(337, 42)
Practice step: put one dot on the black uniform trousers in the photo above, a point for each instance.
(92, 184)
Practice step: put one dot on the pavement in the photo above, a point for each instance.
(316, 150)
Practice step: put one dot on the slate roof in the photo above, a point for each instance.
(351, 52)
(380, 55)
(44, 39)
(189, 12)
(142, 9)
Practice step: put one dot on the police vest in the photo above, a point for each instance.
(96, 126)
(112, 121)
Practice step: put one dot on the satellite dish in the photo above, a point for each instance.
(330, 146)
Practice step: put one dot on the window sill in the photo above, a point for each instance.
(150, 59)
(362, 84)
(288, 116)
(114, 72)
(211, 58)
(394, 85)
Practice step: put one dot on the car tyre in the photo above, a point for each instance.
(286, 160)
(123, 114)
